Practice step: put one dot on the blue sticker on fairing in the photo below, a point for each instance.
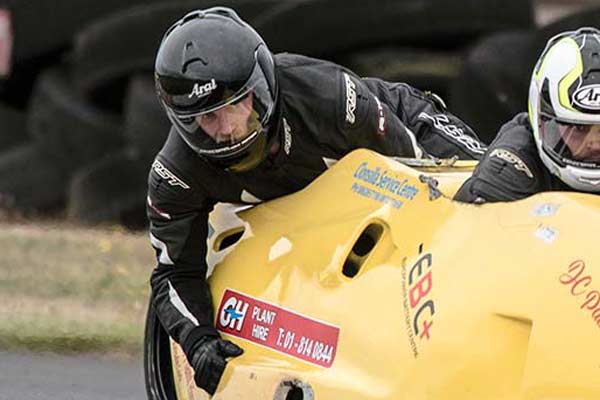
(386, 187)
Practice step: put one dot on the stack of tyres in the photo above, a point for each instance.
(146, 124)
(68, 128)
(428, 70)
(12, 126)
(80, 96)
(493, 84)
(112, 65)
(113, 189)
(18, 161)
(113, 48)
(332, 27)
(65, 132)
(29, 183)
(35, 34)
(588, 17)
(110, 190)
(420, 42)
(41, 26)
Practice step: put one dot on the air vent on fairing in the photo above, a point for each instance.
(363, 246)
(294, 390)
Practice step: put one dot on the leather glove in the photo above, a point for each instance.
(208, 358)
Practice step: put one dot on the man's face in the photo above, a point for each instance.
(228, 124)
(583, 141)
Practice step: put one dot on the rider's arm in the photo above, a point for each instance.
(436, 130)
(178, 215)
(510, 170)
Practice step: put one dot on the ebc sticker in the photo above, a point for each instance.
(418, 301)
(277, 328)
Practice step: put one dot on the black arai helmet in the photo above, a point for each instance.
(215, 78)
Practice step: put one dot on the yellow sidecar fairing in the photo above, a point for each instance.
(369, 284)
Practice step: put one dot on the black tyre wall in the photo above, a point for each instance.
(493, 84)
(110, 190)
(146, 124)
(12, 127)
(66, 127)
(16, 89)
(326, 27)
(125, 43)
(422, 68)
(42, 26)
(589, 17)
(29, 181)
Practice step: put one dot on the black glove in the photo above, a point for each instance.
(208, 358)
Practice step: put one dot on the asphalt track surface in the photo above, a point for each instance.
(28, 376)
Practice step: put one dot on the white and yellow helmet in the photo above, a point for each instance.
(564, 108)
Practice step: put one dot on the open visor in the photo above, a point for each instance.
(220, 123)
(571, 143)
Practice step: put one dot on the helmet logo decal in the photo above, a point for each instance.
(588, 97)
(203, 90)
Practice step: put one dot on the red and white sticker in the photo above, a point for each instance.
(277, 328)
(6, 42)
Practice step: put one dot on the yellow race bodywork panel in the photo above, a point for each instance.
(453, 302)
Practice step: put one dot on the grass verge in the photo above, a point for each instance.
(71, 289)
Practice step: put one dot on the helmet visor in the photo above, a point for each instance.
(571, 143)
(227, 126)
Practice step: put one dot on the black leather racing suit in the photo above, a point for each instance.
(511, 169)
(324, 112)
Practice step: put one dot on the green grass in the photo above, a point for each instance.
(68, 289)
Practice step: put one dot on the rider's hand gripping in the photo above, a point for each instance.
(208, 358)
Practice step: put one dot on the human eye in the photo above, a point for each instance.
(210, 116)
(186, 120)
(580, 128)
